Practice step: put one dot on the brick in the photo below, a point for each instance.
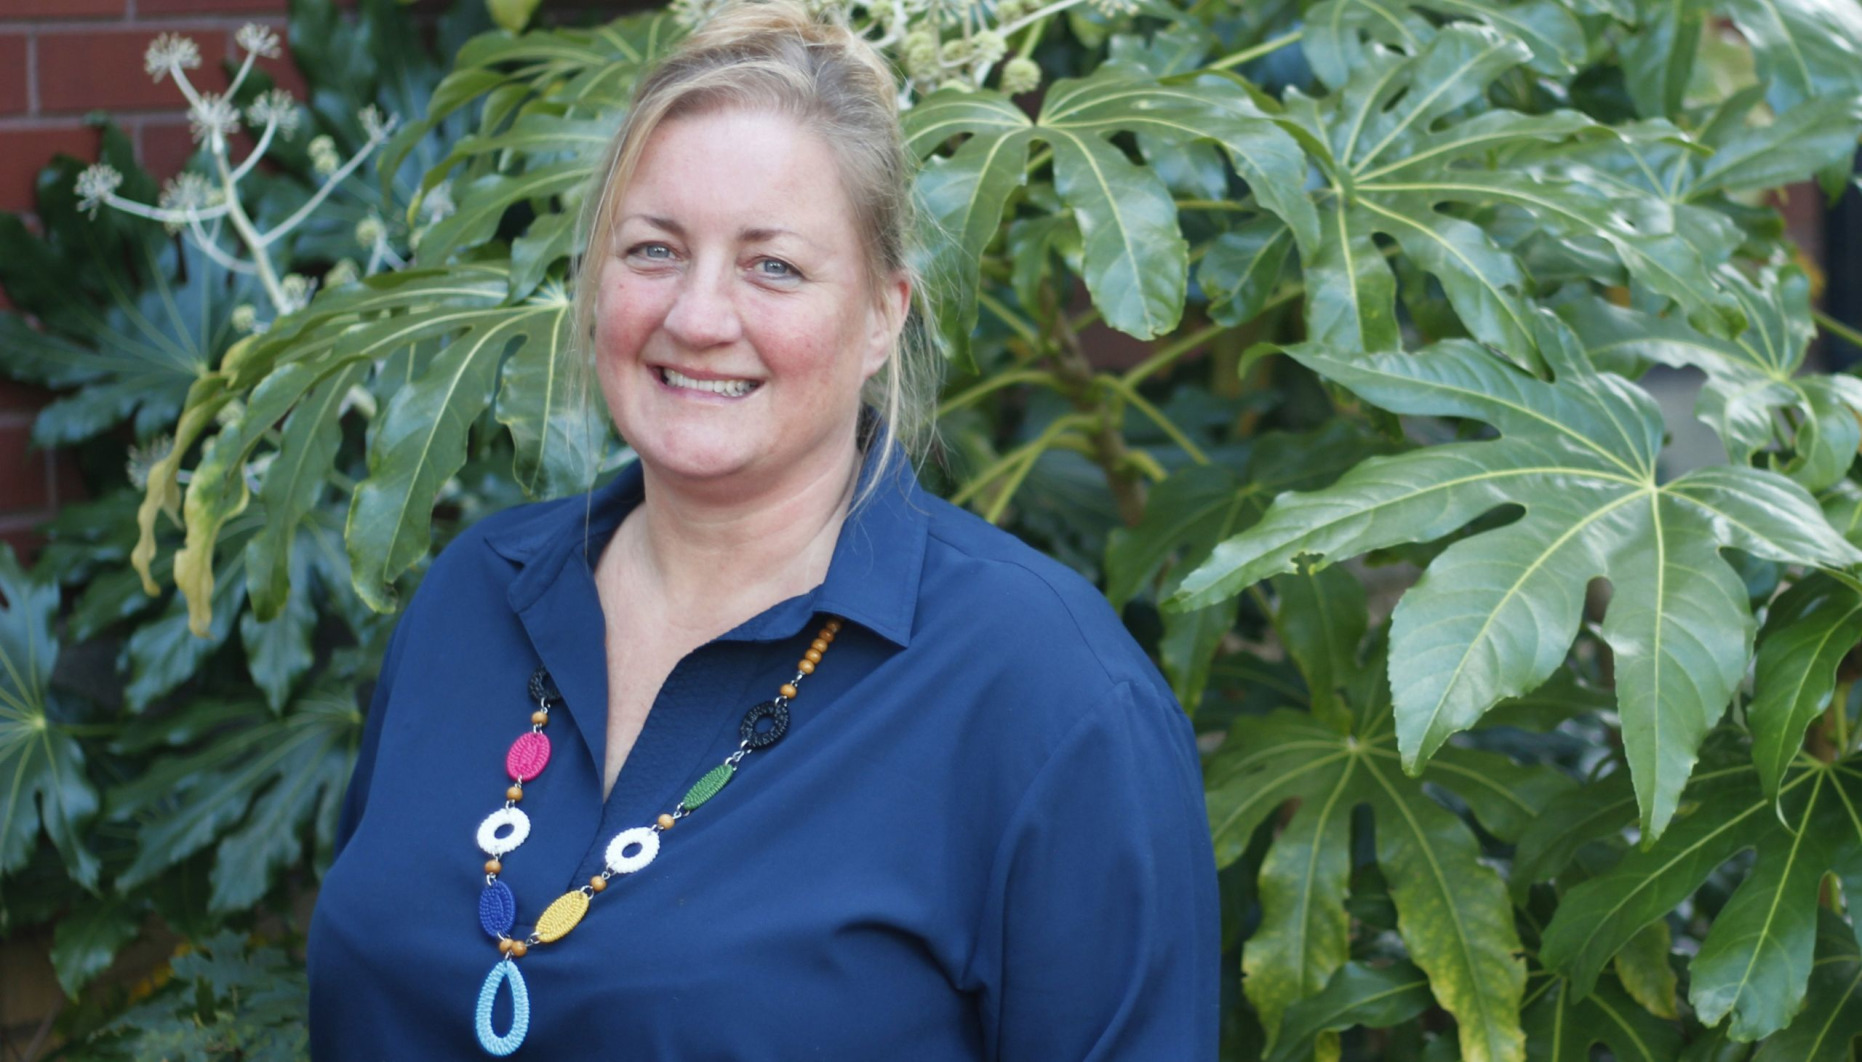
(146, 8)
(163, 146)
(63, 8)
(13, 99)
(24, 152)
(25, 485)
(17, 397)
(82, 71)
(21, 533)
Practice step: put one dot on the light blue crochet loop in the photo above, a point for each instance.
(505, 970)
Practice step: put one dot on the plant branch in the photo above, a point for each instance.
(1250, 54)
(1837, 328)
(1171, 352)
(1156, 416)
(995, 383)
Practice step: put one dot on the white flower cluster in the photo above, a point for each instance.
(98, 182)
(376, 124)
(212, 119)
(257, 39)
(144, 458)
(297, 290)
(276, 107)
(1115, 8)
(694, 13)
(323, 156)
(169, 54)
(438, 203)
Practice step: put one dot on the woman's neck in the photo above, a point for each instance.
(709, 561)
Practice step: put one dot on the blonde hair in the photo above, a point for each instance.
(774, 56)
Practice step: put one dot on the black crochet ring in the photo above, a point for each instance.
(543, 689)
(754, 738)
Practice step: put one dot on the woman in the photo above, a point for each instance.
(964, 818)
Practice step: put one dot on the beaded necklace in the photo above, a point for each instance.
(629, 852)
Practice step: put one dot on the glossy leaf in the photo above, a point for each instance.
(1808, 631)
(1494, 615)
(45, 785)
(1358, 994)
(1563, 1028)
(1826, 1029)
(421, 438)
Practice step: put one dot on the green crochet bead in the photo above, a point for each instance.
(709, 786)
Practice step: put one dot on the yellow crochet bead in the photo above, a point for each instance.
(562, 916)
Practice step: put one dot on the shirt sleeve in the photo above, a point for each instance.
(1100, 936)
(357, 795)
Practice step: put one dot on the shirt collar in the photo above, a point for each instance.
(872, 578)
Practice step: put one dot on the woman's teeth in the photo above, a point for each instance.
(727, 388)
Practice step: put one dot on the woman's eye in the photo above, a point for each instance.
(775, 267)
(659, 252)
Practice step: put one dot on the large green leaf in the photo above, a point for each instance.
(1136, 260)
(1358, 994)
(1452, 911)
(1751, 378)
(1827, 1027)
(86, 940)
(1808, 630)
(254, 787)
(1335, 28)
(1805, 49)
(1562, 1028)
(420, 440)
(1303, 939)
(546, 399)
(1494, 614)
(43, 785)
(1756, 959)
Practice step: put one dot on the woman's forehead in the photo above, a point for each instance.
(757, 175)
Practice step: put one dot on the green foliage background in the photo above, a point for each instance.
(1517, 745)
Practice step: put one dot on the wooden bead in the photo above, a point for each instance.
(540, 717)
(597, 883)
(514, 793)
(819, 645)
(805, 666)
(787, 689)
(833, 626)
(666, 821)
(518, 948)
(825, 635)
(492, 866)
(505, 944)
(813, 656)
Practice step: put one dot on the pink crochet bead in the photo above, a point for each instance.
(529, 754)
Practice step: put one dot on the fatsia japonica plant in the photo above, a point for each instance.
(1320, 334)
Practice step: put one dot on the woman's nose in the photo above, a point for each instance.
(703, 313)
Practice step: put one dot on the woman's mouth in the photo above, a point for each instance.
(727, 388)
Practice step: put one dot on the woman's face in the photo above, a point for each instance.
(735, 324)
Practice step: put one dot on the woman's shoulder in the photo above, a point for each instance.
(1021, 605)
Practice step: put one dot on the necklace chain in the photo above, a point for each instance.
(629, 851)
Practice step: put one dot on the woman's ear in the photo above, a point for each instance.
(888, 320)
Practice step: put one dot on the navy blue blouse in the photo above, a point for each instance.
(982, 838)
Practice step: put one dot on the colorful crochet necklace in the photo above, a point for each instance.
(629, 852)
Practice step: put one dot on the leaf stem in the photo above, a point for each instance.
(1249, 54)
(1009, 317)
(1156, 416)
(1837, 328)
(1171, 352)
(995, 383)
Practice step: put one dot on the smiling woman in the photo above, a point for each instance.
(970, 824)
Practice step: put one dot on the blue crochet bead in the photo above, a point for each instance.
(505, 970)
(497, 909)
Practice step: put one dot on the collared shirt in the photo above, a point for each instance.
(983, 836)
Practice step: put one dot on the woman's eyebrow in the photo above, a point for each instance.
(748, 234)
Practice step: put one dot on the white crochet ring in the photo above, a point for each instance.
(644, 836)
(495, 845)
